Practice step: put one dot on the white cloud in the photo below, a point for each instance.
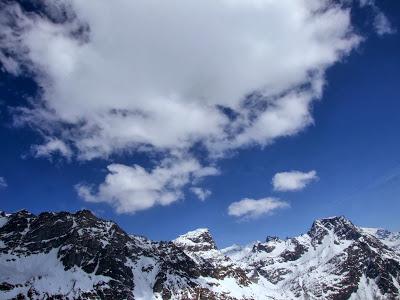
(3, 183)
(293, 180)
(164, 76)
(381, 23)
(51, 147)
(250, 208)
(201, 193)
(160, 79)
(131, 188)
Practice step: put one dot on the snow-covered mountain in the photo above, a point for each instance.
(79, 256)
(390, 239)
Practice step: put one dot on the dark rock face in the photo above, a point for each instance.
(271, 239)
(82, 241)
(341, 227)
(260, 247)
(292, 255)
(98, 260)
(371, 258)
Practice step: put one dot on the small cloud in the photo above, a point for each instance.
(251, 208)
(201, 193)
(382, 24)
(130, 189)
(3, 183)
(51, 147)
(293, 180)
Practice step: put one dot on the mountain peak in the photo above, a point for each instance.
(333, 220)
(23, 213)
(196, 240)
(339, 225)
(85, 213)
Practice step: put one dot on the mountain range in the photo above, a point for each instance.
(80, 256)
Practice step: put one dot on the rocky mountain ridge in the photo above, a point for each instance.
(79, 256)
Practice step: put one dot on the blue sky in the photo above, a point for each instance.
(352, 144)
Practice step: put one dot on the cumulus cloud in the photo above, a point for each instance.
(131, 188)
(3, 183)
(201, 193)
(251, 208)
(135, 78)
(167, 76)
(293, 180)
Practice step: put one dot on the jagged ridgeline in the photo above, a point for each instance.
(79, 256)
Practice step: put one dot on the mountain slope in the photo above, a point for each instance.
(390, 239)
(79, 256)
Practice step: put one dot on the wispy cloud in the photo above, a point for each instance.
(381, 23)
(293, 180)
(201, 193)
(51, 147)
(3, 183)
